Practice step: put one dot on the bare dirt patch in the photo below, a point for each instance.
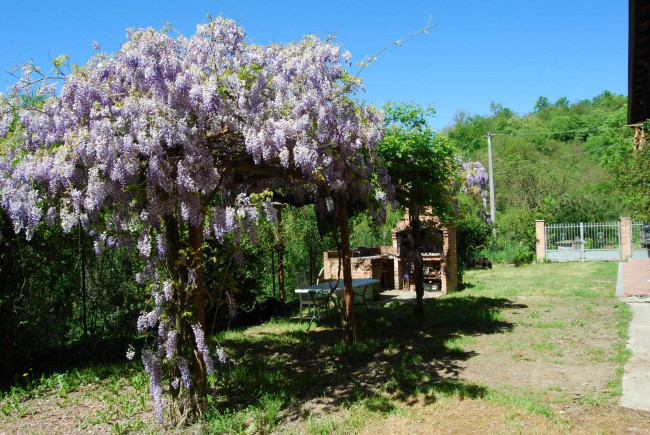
(91, 409)
(456, 416)
(567, 349)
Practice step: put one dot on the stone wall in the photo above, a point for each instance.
(371, 267)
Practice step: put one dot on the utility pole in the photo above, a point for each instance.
(491, 178)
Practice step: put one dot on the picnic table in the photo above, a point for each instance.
(335, 288)
(569, 244)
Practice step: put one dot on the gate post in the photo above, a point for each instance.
(582, 241)
(626, 238)
(540, 235)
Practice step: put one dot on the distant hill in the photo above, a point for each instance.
(562, 162)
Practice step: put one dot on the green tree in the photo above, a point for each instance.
(562, 102)
(421, 165)
(541, 104)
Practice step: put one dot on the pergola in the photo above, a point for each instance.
(271, 175)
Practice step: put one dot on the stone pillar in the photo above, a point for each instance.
(397, 271)
(626, 238)
(451, 260)
(540, 235)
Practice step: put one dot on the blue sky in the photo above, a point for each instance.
(480, 51)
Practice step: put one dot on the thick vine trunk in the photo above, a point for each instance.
(348, 325)
(198, 292)
(188, 402)
(196, 249)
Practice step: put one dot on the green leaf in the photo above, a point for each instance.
(60, 60)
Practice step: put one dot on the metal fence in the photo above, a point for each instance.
(638, 251)
(583, 241)
(636, 234)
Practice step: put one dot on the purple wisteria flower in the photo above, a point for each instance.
(161, 243)
(271, 214)
(221, 355)
(152, 367)
(130, 352)
(168, 288)
(184, 368)
(170, 344)
(202, 347)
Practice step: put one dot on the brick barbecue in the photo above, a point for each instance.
(384, 262)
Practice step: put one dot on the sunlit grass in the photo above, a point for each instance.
(282, 378)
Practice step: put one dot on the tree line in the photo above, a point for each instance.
(562, 162)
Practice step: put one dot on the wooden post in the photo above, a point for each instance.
(540, 244)
(280, 251)
(625, 236)
(348, 331)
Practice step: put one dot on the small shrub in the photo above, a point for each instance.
(523, 256)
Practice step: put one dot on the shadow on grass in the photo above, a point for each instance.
(465, 286)
(396, 352)
(98, 354)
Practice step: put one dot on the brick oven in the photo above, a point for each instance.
(438, 252)
(385, 263)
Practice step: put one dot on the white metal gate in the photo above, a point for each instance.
(638, 250)
(583, 241)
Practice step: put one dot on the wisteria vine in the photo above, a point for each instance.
(171, 133)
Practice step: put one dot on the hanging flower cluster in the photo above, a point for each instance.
(167, 133)
(476, 179)
(475, 183)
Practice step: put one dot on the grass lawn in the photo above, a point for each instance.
(536, 349)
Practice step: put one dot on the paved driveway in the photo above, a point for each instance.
(634, 287)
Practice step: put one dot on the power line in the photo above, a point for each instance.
(537, 133)
(491, 173)
(557, 158)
